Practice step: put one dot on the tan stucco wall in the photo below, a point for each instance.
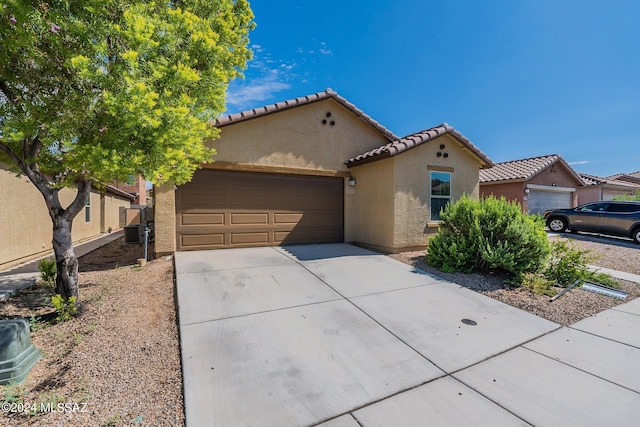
(412, 225)
(112, 208)
(297, 138)
(391, 205)
(25, 225)
(369, 205)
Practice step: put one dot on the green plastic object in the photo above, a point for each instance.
(17, 354)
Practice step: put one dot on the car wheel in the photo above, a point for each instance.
(557, 225)
(636, 235)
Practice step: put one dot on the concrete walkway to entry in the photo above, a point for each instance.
(338, 336)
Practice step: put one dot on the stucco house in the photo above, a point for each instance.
(25, 226)
(537, 183)
(633, 177)
(598, 188)
(317, 169)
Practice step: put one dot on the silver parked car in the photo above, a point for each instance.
(606, 217)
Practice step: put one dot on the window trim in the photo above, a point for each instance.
(433, 217)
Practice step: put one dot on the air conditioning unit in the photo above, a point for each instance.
(134, 233)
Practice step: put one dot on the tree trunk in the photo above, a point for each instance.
(66, 261)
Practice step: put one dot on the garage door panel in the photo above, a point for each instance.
(202, 240)
(287, 218)
(252, 209)
(541, 200)
(202, 219)
(249, 218)
(252, 238)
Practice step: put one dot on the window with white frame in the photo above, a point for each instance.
(440, 192)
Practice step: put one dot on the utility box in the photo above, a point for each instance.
(134, 233)
(17, 354)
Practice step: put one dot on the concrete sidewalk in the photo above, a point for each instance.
(26, 275)
(335, 335)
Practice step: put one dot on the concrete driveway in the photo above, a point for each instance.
(338, 336)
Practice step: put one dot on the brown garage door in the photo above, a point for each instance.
(220, 209)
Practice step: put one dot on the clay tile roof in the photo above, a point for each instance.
(596, 180)
(410, 141)
(523, 169)
(633, 177)
(303, 100)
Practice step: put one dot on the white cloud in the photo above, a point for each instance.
(246, 94)
(581, 162)
(324, 49)
(265, 77)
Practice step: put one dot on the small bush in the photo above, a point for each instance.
(537, 284)
(66, 309)
(567, 264)
(48, 271)
(488, 234)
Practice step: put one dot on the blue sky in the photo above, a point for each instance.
(519, 78)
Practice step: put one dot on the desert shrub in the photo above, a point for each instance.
(66, 309)
(488, 234)
(537, 284)
(567, 264)
(47, 267)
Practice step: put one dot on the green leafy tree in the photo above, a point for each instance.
(97, 90)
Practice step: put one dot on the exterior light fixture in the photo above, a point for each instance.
(352, 182)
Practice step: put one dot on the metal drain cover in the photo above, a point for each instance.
(469, 322)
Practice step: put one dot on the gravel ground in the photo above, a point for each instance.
(119, 360)
(575, 305)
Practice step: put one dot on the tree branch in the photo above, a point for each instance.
(35, 147)
(84, 190)
(4, 88)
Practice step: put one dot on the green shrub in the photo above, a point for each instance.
(488, 234)
(66, 309)
(537, 283)
(567, 264)
(47, 267)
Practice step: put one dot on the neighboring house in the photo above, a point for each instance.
(633, 178)
(135, 186)
(317, 169)
(537, 183)
(25, 225)
(598, 188)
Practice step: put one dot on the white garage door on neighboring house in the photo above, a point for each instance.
(540, 199)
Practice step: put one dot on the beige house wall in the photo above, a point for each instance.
(111, 211)
(297, 138)
(412, 177)
(369, 204)
(25, 225)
